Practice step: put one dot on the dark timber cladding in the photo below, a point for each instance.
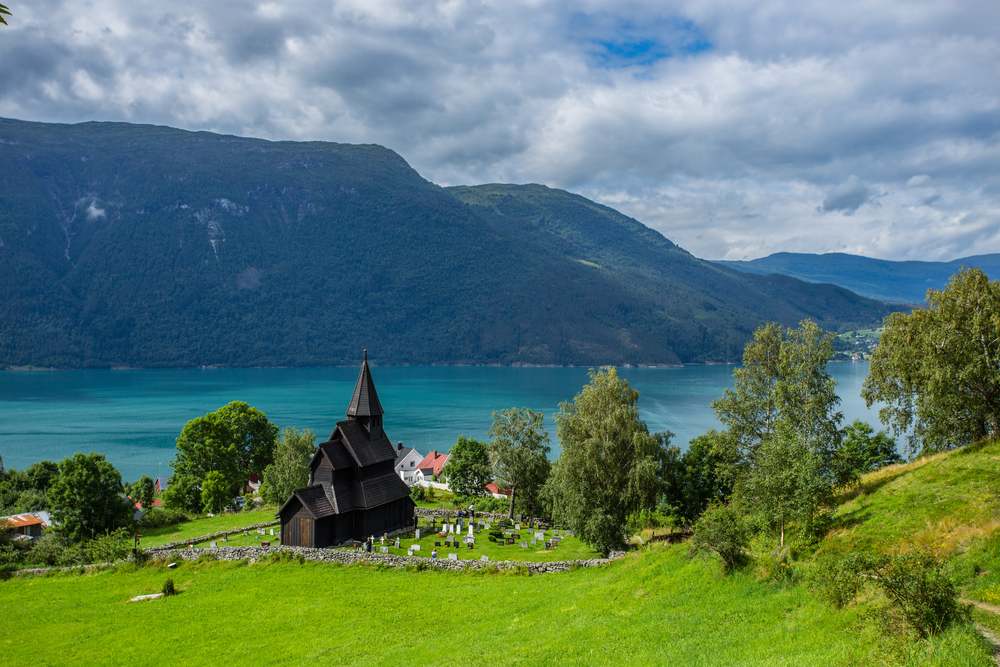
(353, 491)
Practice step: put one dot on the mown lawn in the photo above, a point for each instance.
(656, 607)
(205, 525)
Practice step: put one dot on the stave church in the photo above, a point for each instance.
(354, 491)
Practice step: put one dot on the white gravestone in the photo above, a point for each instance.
(470, 530)
(452, 556)
(418, 533)
(517, 526)
(539, 536)
(484, 558)
(385, 550)
(416, 547)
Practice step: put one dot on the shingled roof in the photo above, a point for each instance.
(364, 401)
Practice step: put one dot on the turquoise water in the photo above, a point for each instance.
(134, 416)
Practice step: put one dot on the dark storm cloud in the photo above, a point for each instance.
(736, 129)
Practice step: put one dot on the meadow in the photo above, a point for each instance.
(656, 606)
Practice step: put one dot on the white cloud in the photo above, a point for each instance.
(783, 118)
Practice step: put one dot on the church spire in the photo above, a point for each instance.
(364, 402)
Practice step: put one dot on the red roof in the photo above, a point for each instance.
(22, 520)
(433, 462)
(493, 488)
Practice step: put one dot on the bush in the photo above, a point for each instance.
(183, 494)
(52, 549)
(838, 581)
(920, 593)
(159, 517)
(116, 545)
(168, 588)
(417, 493)
(722, 530)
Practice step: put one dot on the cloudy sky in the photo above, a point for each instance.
(869, 127)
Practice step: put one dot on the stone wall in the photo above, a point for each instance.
(213, 536)
(348, 557)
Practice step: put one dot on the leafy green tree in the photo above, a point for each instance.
(786, 482)
(935, 368)
(468, 469)
(723, 531)
(110, 547)
(863, 451)
(704, 475)
(183, 494)
(87, 498)
(41, 475)
(4, 12)
(519, 448)
(142, 491)
(784, 377)
(290, 470)
(611, 465)
(215, 492)
(236, 441)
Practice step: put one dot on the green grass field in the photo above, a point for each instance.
(205, 525)
(655, 607)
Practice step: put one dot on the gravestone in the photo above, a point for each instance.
(213, 545)
(452, 556)
(416, 547)
(484, 558)
(539, 536)
(418, 533)
(517, 526)
(385, 550)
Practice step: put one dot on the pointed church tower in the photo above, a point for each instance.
(364, 407)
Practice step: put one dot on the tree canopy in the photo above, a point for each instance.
(290, 469)
(936, 370)
(468, 469)
(610, 463)
(88, 498)
(519, 449)
(236, 441)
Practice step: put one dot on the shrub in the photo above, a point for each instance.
(116, 545)
(168, 588)
(838, 581)
(417, 493)
(158, 517)
(920, 593)
(722, 530)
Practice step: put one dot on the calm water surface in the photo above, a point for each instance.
(134, 416)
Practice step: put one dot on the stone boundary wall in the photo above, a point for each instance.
(211, 536)
(345, 557)
(438, 513)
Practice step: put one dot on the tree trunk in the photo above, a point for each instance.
(782, 543)
(511, 513)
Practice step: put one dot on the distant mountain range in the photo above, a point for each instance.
(886, 280)
(138, 245)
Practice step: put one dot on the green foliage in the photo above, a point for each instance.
(785, 482)
(702, 476)
(418, 493)
(159, 517)
(468, 469)
(183, 494)
(235, 441)
(27, 490)
(722, 530)
(142, 491)
(110, 547)
(611, 465)
(519, 448)
(87, 498)
(935, 369)
(168, 588)
(290, 470)
(920, 593)
(215, 492)
(4, 12)
(861, 451)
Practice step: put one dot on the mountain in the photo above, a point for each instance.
(130, 244)
(898, 282)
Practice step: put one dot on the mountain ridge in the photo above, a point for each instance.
(144, 245)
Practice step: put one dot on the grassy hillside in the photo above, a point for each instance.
(655, 607)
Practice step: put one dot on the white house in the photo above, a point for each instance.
(407, 460)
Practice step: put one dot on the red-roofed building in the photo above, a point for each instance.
(28, 525)
(496, 491)
(430, 466)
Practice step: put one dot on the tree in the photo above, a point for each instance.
(863, 451)
(783, 377)
(519, 448)
(935, 368)
(88, 498)
(611, 465)
(142, 491)
(722, 530)
(236, 441)
(290, 470)
(468, 469)
(786, 481)
(183, 493)
(705, 475)
(4, 12)
(215, 492)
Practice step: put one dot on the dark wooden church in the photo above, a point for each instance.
(354, 491)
